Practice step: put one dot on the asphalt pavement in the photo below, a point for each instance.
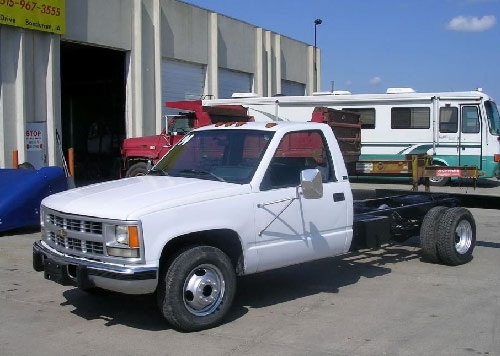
(372, 302)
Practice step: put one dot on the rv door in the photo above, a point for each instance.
(459, 135)
(470, 142)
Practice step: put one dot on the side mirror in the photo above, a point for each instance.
(311, 183)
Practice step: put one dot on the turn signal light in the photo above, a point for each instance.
(133, 236)
(496, 158)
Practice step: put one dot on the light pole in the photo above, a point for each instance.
(316, 23)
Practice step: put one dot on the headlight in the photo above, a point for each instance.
(126, 242)
(127, 235)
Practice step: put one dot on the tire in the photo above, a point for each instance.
(197, 290)
(137, 169)
(429, 233)
(439, 181)
(26, 165)
(457, 236)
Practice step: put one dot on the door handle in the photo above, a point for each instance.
(338, 197)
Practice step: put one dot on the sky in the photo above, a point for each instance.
(368, 46)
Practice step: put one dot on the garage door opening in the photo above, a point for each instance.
(93, 110)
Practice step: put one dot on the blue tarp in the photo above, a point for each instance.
(22, 190)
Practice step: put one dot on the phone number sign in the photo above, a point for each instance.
(41, 15)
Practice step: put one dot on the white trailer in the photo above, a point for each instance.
(456, 128)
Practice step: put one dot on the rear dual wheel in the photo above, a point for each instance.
(429, 233)
(448, 235)
(457, 236)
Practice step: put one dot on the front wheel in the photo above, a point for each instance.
(457, 236)
(137, 169)
(197, 290)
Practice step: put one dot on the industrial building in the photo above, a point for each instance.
(103, 70)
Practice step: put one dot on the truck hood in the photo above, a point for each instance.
(131, 198)
(141, 142)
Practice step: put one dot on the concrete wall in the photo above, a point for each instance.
(147, 31)
(236, 45)
(106, 23)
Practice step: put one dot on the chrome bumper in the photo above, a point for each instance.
(83, 273)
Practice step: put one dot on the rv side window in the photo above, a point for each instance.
(410, 118)
(448, 120)
(470, 119)
(366, 116)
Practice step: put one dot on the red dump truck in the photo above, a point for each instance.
(137, 152)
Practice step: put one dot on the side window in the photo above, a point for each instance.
(410, 118)
(470, 119)
(298, 151)
(366, 116)
(448, 120)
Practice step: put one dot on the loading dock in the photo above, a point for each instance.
(93, 109)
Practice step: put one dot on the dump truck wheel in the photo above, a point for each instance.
(457, 236)
(137, 169)
(429, 233)
(197, 290)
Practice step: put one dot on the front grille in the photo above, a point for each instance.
(74, 234)
(91, 227)
(74, 244)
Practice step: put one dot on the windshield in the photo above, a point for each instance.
(493, 117)
(225, 155)
(180, 125)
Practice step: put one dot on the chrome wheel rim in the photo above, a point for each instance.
(203, 290)
(463, 237)
(436, 179)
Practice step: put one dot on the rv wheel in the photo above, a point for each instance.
(457, 236)
(439, 181)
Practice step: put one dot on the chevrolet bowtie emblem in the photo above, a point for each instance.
(62, 233)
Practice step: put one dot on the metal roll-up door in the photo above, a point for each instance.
(292, 88)
(181, 81)
(231, 81)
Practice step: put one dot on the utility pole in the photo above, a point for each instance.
(316, 23)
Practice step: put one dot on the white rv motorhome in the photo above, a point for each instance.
(456, 128)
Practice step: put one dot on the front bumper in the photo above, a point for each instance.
(82, 273)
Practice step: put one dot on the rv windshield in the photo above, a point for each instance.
(493, 117)
(224, 155)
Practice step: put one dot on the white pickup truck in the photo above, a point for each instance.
(231, 200)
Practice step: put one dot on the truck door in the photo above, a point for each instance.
(291, 229)
(460, 135)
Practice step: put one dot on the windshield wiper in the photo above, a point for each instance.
(202, 173)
